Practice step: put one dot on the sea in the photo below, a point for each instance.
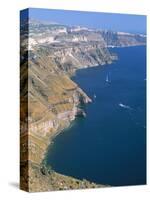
(108, 146)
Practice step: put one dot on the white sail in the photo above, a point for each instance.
(108, 79)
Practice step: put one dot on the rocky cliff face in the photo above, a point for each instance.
(50, 100)
(121, 39)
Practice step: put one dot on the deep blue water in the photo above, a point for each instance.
(109, 145)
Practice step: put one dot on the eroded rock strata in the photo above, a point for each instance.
(50, 100)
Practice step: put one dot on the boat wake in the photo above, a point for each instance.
(133, 114)
(125, 106)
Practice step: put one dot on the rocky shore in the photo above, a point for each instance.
(47, 116)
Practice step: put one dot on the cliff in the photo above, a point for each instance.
(49, 99)
(53, 102)
(122, 39)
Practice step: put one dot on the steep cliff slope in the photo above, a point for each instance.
(50, 100)
(121, 39)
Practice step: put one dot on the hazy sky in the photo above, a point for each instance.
(116, 22)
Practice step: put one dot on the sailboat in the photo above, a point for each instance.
(107, 79)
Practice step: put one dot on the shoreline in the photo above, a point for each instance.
(69, 124)
(111, 46)
(47, 141)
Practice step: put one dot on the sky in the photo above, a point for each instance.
(98, 20)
